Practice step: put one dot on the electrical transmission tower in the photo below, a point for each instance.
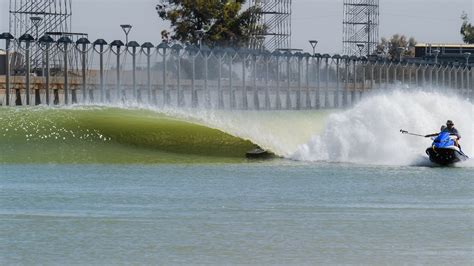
(40, 17)
(272, 29)
(361, 27)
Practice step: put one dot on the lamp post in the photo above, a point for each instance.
(346, 80)
(436, 53)
(103, 48)
(47, 41)
(467, 55)
(260, 43)
(164, 47)
(256, 101)
(232, 54)
(353, 92)
(326, 58)
(219, 54)
(27, 39)
(200, 36)
(8, 38)
(206, 53)
(81, 46)
(63, 45)
(318, 82)
(244, 55)
(126, 29)
(146, 49)
(36, 22)
(313, 43)
(134, 52)
(337, 93)
(193, 52)
(117, 44)
(288, 56)
(267, 57)
(361, 47)
(298, 93)
(176, 50)
(400, 51)
(380, 54)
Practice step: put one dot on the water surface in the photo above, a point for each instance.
(277, 212)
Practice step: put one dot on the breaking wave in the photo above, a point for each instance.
(369, 132)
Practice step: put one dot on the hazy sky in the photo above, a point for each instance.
(426, 20)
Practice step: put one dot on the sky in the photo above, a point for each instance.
(429, 21)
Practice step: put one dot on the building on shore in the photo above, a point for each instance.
(445, 53)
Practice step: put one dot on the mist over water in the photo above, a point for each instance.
(369, 132)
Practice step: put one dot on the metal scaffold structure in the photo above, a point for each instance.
(361, 27)
(40, 17)
(273, 28)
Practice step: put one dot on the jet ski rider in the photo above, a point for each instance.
(452, 131)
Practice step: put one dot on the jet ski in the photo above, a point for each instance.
(444, 151)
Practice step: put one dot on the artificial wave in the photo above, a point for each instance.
(368, 133)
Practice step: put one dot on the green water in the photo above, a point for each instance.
(111, 135)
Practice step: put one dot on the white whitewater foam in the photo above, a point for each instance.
(369, 132)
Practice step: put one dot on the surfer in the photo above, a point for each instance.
(443, 127)
(258, 153)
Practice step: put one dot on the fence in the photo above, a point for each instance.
(200, 77)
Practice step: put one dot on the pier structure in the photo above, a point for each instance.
(272, 30)
(360, 27)
(167, 75)
(37, 18)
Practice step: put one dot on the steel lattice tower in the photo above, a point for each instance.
(273, 25)
(361, 27)
(38, 17)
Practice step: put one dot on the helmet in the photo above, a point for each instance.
(443, 127)
(450, 123)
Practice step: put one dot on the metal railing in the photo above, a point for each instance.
(224, 78)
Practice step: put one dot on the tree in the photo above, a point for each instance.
(467, 30)
(397, 46)
(216, 22)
